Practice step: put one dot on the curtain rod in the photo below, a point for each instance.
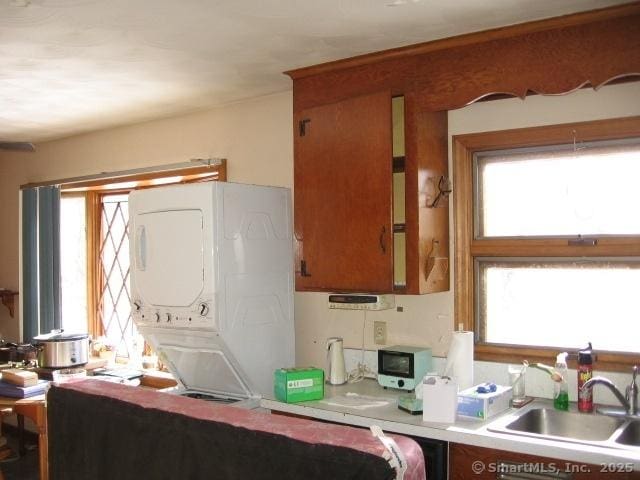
(194, 162)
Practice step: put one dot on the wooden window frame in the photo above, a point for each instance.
(467, 247)
(93, 190)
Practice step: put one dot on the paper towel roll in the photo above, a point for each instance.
(459, 364)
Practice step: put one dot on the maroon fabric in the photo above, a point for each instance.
(299, 429)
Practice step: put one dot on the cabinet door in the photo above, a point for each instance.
(478, 463)
(343, 196)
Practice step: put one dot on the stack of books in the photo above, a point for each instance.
(18, 383)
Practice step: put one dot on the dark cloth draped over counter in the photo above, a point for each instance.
(99, 430)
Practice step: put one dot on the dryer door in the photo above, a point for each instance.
(169, 257)
(200, 361)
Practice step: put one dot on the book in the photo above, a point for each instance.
(17, 376)
(14, 391)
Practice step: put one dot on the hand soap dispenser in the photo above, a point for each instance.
(560, 387)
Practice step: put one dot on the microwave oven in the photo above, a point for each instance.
(403, 367)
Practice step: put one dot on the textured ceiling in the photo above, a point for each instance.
(70, 66)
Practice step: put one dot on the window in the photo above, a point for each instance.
(547, 224)
(73, 262)
(114, 301)
(95, 253)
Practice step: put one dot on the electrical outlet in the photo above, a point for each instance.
(380, 333)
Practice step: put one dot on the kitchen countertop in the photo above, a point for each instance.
(470, 432)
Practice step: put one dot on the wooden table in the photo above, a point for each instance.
(35, 409)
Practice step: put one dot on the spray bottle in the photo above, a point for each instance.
(560, 387)
(585, 372)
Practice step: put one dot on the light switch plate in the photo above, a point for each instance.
(380, 333)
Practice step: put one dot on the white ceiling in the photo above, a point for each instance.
(70, 66)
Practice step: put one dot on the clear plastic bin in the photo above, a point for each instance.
(68, 374)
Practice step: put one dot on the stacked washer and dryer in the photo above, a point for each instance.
(212, 284)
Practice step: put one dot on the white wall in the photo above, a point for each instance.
(256, 138)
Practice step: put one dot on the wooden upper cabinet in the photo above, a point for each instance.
(343, 196)
(364, 220)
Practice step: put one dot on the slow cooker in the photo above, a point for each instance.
(62, 350)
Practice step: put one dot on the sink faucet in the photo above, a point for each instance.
(628, 401)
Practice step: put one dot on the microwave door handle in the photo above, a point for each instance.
(141, 248)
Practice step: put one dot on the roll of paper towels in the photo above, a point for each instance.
(459, 364)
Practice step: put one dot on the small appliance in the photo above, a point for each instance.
(62, 350)
(335, 355)
(403, 367)
(361, 301)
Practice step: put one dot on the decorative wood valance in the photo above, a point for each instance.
(552, 56)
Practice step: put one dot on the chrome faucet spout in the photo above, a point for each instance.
(630, 401)
(610, 385)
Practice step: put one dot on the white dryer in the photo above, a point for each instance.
(212, 283)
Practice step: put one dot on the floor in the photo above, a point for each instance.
(20, 468)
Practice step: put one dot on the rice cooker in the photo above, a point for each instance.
(62, 350)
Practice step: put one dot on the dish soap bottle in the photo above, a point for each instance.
(561, 388)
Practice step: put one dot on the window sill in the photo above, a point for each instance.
(605, 361)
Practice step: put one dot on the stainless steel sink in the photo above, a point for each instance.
(583, 428)
(553, 423)
(630, 434)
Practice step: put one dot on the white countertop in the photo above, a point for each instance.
(470, 432)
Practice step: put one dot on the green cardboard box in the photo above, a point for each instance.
(298, 384)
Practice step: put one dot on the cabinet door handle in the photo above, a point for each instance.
(381, 239)
(521, 471)
(141, 248)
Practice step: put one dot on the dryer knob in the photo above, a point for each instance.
(204, 309)
(168, 317)
(136, 306)
(156, 316)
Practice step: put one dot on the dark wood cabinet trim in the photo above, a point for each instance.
(551, 56)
